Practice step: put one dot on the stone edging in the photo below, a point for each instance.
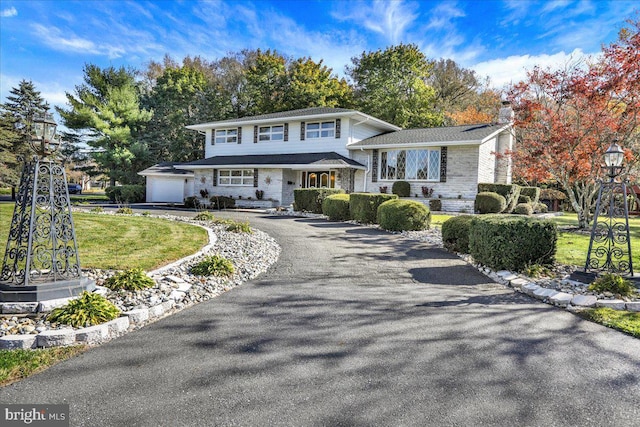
(99, 334)
(571, 302)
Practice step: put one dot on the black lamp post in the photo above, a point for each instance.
(41, 258)
(610, 243)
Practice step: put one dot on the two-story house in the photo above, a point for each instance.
(335, 148)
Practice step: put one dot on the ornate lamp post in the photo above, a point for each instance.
(41, 258)
(610, 244)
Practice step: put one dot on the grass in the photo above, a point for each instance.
(624, 321)
(121, 242)
(18, 364)
(573, 247)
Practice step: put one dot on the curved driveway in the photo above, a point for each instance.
(353, 327)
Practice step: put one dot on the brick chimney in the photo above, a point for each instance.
(505, 115)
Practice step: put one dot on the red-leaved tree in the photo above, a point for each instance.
(566, 119)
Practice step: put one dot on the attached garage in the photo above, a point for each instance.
(166, 184)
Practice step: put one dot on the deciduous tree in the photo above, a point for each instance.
(565, 119)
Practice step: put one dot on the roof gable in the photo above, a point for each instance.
(465, 134)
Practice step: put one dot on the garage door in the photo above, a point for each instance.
(165, 190)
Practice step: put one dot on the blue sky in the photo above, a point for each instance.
(48, 42)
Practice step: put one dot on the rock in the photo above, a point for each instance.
(15, 342)
(56, 337)
(530, 288)
(633, 306)
(19, 308)
(118, 326)
(93, 334)
(584, 300)
(156, 311)
(615, 304)
(47, 306)
(561, 299)
(138, 317)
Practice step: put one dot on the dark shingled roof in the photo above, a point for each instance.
(165, 168)
(319, 159)
(427, 135)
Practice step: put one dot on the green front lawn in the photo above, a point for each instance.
(18, 364)
(124, 241)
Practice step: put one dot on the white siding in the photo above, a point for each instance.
(487, 161)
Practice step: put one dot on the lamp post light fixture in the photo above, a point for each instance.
(41, 259)
(610, 243)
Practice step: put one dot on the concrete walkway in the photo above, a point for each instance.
(354, 327)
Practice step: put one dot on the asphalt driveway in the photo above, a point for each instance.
(353, 327)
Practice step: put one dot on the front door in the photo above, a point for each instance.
(319, 179)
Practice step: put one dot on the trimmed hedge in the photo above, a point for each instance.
(401, 188)
(221, 202)
(126, 193)
(489, 202)
(336, 207)
(510, 242)
(435, 205)
(403, 215)
(510, 192)
(523, 209)
(364, 206)
(310, 199)
(455, 233)
(533, 193)
(523, 199)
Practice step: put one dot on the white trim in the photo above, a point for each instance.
(170, 175)
(303, 166)
(337, 115)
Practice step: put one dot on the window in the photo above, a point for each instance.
(271, 133)
(320, 130)
(226, 135)
(241, 177)
(420, 165)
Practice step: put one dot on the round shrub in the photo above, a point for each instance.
(523, 209)
(455, 233)
(213, 265)
(130, 280)
(310, 199)
(126, 193)
(435, 205)
(540, 208)
(512, 242)
(401, 188)
(490, 202)
(222, 202)
(403, 215)
(364, 206)
(336, 207)
(88, 310)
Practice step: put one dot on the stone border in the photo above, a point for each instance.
(99, 334)
(571, 302)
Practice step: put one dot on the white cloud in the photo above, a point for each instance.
(9, 13)
(513, 69)
(388, 18)
(52, 37)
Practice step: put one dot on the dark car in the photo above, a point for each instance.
(74, 188)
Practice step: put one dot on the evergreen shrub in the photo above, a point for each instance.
(336, 207)
(523, 209)
(221, 202)
(455, 233)
(364, 206)
(511, 242)
(191, 202)
(401, 188)
(310, 199)
(435, 205)
(510, 192)
(489, 202)
(126, 193)
(533, 193)
(524, 199)
(403, 215)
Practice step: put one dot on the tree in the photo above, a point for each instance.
(106, 109)
(17, 113)
(565, 119)
(391, 84)
(311, 84)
